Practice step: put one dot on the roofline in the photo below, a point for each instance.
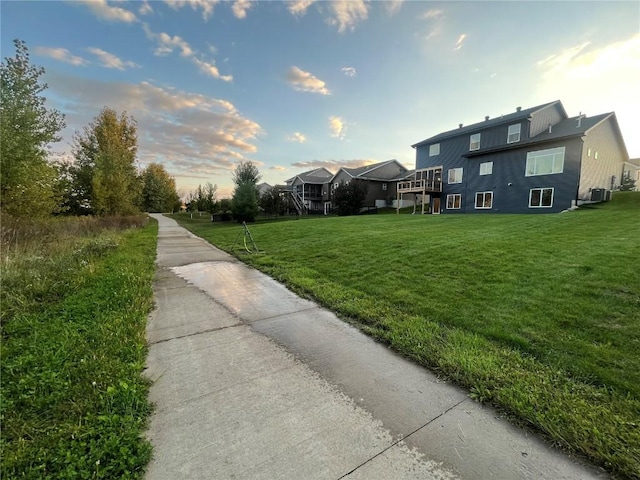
(616, 125)
(513, 146)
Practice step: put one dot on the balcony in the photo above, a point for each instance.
(419, 186)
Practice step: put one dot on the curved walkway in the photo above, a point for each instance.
(252, 382)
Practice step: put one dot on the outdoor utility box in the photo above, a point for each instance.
(597, 195)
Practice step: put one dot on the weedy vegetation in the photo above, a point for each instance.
(538, 315)
(74, 302)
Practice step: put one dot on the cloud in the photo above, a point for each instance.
(240, 7)
(167, 44)
(299, 7)
(102, 10)
(61, 54)
(432, 13)
(108, 60)
(211, 70)
(393, 6)
(597, 80)
(306, 82)
(191, 134)
(337, 127)
(145, 8)
(278, 168)
(460, 41)
(205, 5)
(349, 71)
(334, 165)
(347, 13)
(297, 137)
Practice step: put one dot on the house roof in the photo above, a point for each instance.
(569, 127)
(373, 172)
(509, 118)
(634, 161)
(318, 175)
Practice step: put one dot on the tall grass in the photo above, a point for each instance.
(74, 302)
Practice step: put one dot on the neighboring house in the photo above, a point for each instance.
(632, 170)
(309, 190)
(263, 188)
(381, 179)
(532, 160)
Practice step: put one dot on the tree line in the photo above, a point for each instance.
(102, 179)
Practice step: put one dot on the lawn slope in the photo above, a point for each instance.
(537, 314)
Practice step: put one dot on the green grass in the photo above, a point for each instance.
(74, 310)
(537, 314)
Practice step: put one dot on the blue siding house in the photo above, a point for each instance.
(535, 160)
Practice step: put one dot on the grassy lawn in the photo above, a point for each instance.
(74, 303)
(537, 314)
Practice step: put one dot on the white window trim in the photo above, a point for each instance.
(434, 150)
(490, 168)
(510, 133)
(541, 153)
(541, 191)
(475, 201)
(453, 195)
(449, 182)
(474, 145)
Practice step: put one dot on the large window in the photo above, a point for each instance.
(486, 168)
(434, 149)
(455, 175)
(474, 142)
(545, 162)
(454, 201)
(513, 135)
(484, 200)
(541, 197)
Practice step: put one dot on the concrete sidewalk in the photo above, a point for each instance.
(253, 382)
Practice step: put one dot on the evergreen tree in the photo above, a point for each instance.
(245, 194)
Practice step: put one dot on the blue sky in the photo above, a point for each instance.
(301, 84)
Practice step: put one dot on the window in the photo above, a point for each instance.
(595, 155)
(474, 142)
(434, 149)
(484, 199)
(541, 197)
(384, 186)
(589, 152)
(513, 135)
(455, 175)
(486, 168)
(454, 201)
(545, 162)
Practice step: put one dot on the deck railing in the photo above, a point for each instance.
(420, 185)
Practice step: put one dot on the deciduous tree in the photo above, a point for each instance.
(105, 172)
(349, 198)
(28, 184)
(158, 190)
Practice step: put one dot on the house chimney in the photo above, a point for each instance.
(580, 117)
(518, 109)
(486, 119)
(459, 125)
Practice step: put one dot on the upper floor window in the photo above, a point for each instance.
(513, 135)
(455, 175)
(434, 149)
(474, 142)
(486, 168)
(545, 162)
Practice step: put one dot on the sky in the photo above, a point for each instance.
(296, 85)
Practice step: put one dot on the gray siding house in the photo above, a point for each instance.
(535, 160)
(309, 189)
(381, 178)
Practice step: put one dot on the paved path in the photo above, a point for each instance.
(253, 382)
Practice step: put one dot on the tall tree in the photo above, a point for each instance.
(272, 202)
(245, 194)
(28, 184)
(105, 172)
(158, 190)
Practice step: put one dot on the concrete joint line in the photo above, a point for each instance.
(402, 438)
(209, 330)
(282, 315)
